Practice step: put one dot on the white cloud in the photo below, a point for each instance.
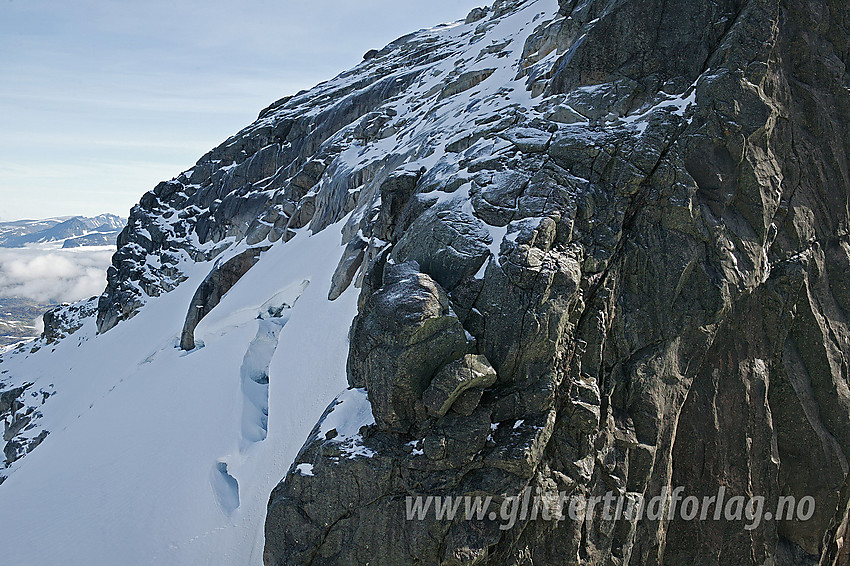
(53, 275)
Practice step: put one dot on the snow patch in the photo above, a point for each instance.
(304, 469)
(348, 413)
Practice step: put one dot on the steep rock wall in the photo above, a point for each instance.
(664, 306)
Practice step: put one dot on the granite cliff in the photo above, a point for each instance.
(664, 306)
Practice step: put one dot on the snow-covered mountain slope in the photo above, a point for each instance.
(577, 246)
(313, 158)
(155, 455)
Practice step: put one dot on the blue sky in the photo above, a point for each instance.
(100, 100)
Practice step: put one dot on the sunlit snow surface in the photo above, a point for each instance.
(347, 415)
(148, 444)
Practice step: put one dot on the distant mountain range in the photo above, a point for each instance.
(18, 314)
(71, 231)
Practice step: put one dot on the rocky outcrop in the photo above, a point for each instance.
(211, 290)
(62, 321)
(635, 282)
(404, 332)
(19, 411)
(459, 386)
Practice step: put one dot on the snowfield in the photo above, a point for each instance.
(159, 456)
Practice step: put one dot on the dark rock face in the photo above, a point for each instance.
(19, 410)
(214, 286)
(404, 332)
(667, 307)
(449, 244)
(64, 320)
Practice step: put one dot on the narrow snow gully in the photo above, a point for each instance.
(254, 380)
(225, 487)
(273, 316)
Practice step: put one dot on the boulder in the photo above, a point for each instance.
(454, 379)
(214, 286)
(405, 331)
(447, 242)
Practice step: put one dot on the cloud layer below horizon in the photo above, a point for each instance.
(53, 275)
